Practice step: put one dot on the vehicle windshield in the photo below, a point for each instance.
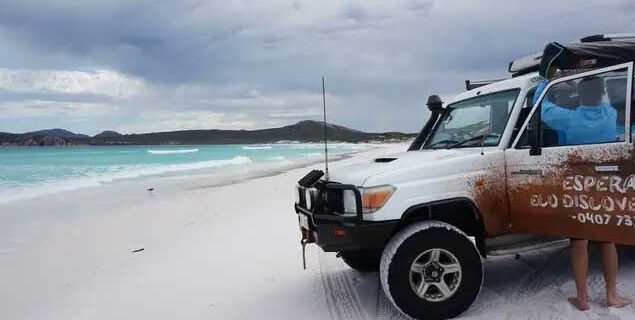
(474, 122)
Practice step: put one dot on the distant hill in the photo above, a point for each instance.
(108, 134)
(303, 131)
(52, 137)
(56, 133)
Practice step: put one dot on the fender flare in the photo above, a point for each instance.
(414, 210)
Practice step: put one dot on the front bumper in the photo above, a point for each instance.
(335, 232)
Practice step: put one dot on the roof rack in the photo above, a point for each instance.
(525, 64)
(531, 62)
(587, 55)
(608, 37)
(473, 84)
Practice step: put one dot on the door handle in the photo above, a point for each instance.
(607, 168)
(532, 172)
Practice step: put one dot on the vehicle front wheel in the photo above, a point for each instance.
(431, 270)
(363, 261)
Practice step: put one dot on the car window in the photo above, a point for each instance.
(476, 121)
(586, 110)
(524, 112)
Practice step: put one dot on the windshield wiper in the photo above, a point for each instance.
(472, 139)
(440, 142)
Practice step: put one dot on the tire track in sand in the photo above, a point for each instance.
(552, 271)
(341, 297)
(384, 309)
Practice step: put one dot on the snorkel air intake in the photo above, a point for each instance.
(435, 105)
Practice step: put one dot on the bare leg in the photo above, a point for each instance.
(608, 253)
(579, 266)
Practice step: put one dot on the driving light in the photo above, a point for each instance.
(374, 198)
(296, 194)
(309, 197)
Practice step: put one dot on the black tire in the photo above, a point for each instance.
(417, 243)
(362, 261)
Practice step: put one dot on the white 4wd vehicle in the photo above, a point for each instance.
(491, 173)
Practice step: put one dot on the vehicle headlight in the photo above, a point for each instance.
(350, 204)
(374, 198)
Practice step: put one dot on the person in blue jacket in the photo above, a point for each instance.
(551, 73)
(593, 121)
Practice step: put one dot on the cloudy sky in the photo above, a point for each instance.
(141, 66)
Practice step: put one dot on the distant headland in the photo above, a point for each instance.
(303, 131)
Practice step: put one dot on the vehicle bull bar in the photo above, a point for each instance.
(359, 214)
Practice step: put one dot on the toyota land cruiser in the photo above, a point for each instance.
(486, 176)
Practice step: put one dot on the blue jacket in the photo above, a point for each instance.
(541, 87)
(582, 125)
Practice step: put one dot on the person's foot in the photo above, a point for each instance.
(619, 302)
(581, 305)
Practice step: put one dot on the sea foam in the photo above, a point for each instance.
(118, 172)
(177, 151)
(256, 147)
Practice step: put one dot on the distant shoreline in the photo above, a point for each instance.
(209, 144)
(301, 132)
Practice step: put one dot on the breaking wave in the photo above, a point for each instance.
(112, 173)
(256, 147)
(177, 151)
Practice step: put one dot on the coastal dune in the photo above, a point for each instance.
(192, 249)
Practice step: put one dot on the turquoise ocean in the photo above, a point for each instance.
(27, 172)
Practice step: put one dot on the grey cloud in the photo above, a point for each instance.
(8, 96)
(422, 6)
(381, 58)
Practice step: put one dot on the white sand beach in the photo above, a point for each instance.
(230, 252)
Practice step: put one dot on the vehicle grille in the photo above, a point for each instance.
(333, 202)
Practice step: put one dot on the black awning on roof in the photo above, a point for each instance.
(587, 55)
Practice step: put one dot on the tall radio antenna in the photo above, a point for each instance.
(326, 150)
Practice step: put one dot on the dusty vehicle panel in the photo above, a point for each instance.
(579, 191)
(572, 195)
(439, 175)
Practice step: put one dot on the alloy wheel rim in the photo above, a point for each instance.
(435, 275)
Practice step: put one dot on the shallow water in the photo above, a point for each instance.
(27, 172)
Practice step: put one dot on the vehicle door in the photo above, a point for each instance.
(567, 173)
